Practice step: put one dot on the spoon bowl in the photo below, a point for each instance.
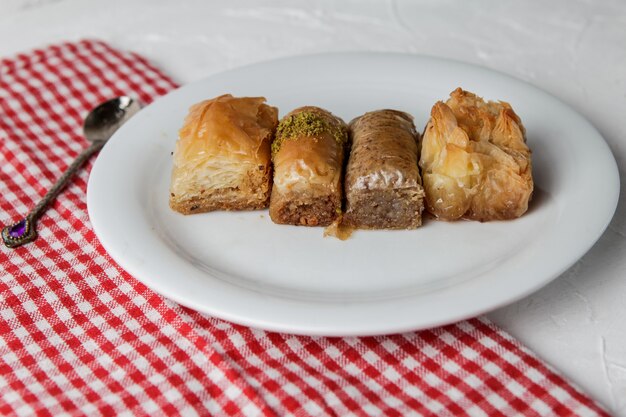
(104, 120)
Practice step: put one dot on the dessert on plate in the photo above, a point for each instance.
(308, 155)
(475, 161)
(222, 159)
(232, 153)
(383, 186)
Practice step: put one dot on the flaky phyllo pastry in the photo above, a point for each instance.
(475, 161)
(222, 159)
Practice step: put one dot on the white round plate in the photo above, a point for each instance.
(241, 267)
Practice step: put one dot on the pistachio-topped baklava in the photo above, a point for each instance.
(308, 155)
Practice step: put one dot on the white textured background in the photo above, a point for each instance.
(574, 49)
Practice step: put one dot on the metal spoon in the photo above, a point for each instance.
(99, 126)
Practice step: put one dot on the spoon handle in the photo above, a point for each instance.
(25, 230)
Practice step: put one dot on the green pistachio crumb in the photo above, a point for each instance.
(306, 124)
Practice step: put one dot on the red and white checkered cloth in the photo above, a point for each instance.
(79, 336)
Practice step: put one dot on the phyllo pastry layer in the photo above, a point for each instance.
(383, 186)
(475, 161)
(308, 154)
(222, 159)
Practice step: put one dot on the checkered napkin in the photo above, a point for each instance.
(79, 336)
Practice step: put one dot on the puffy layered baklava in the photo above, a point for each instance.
(308, 155)
(474, 159)
(383, 186)
(222, 159)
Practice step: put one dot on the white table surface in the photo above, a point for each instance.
(574, 49)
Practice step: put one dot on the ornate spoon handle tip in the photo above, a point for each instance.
(19, 234)
(25, 230)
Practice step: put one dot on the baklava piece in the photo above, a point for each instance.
(383, 186)
(308, 154)
(222, 159)
(474, 159)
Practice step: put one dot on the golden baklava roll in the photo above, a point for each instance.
(383, 186)
(222, 159)
(308, 155)
(474, 159)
